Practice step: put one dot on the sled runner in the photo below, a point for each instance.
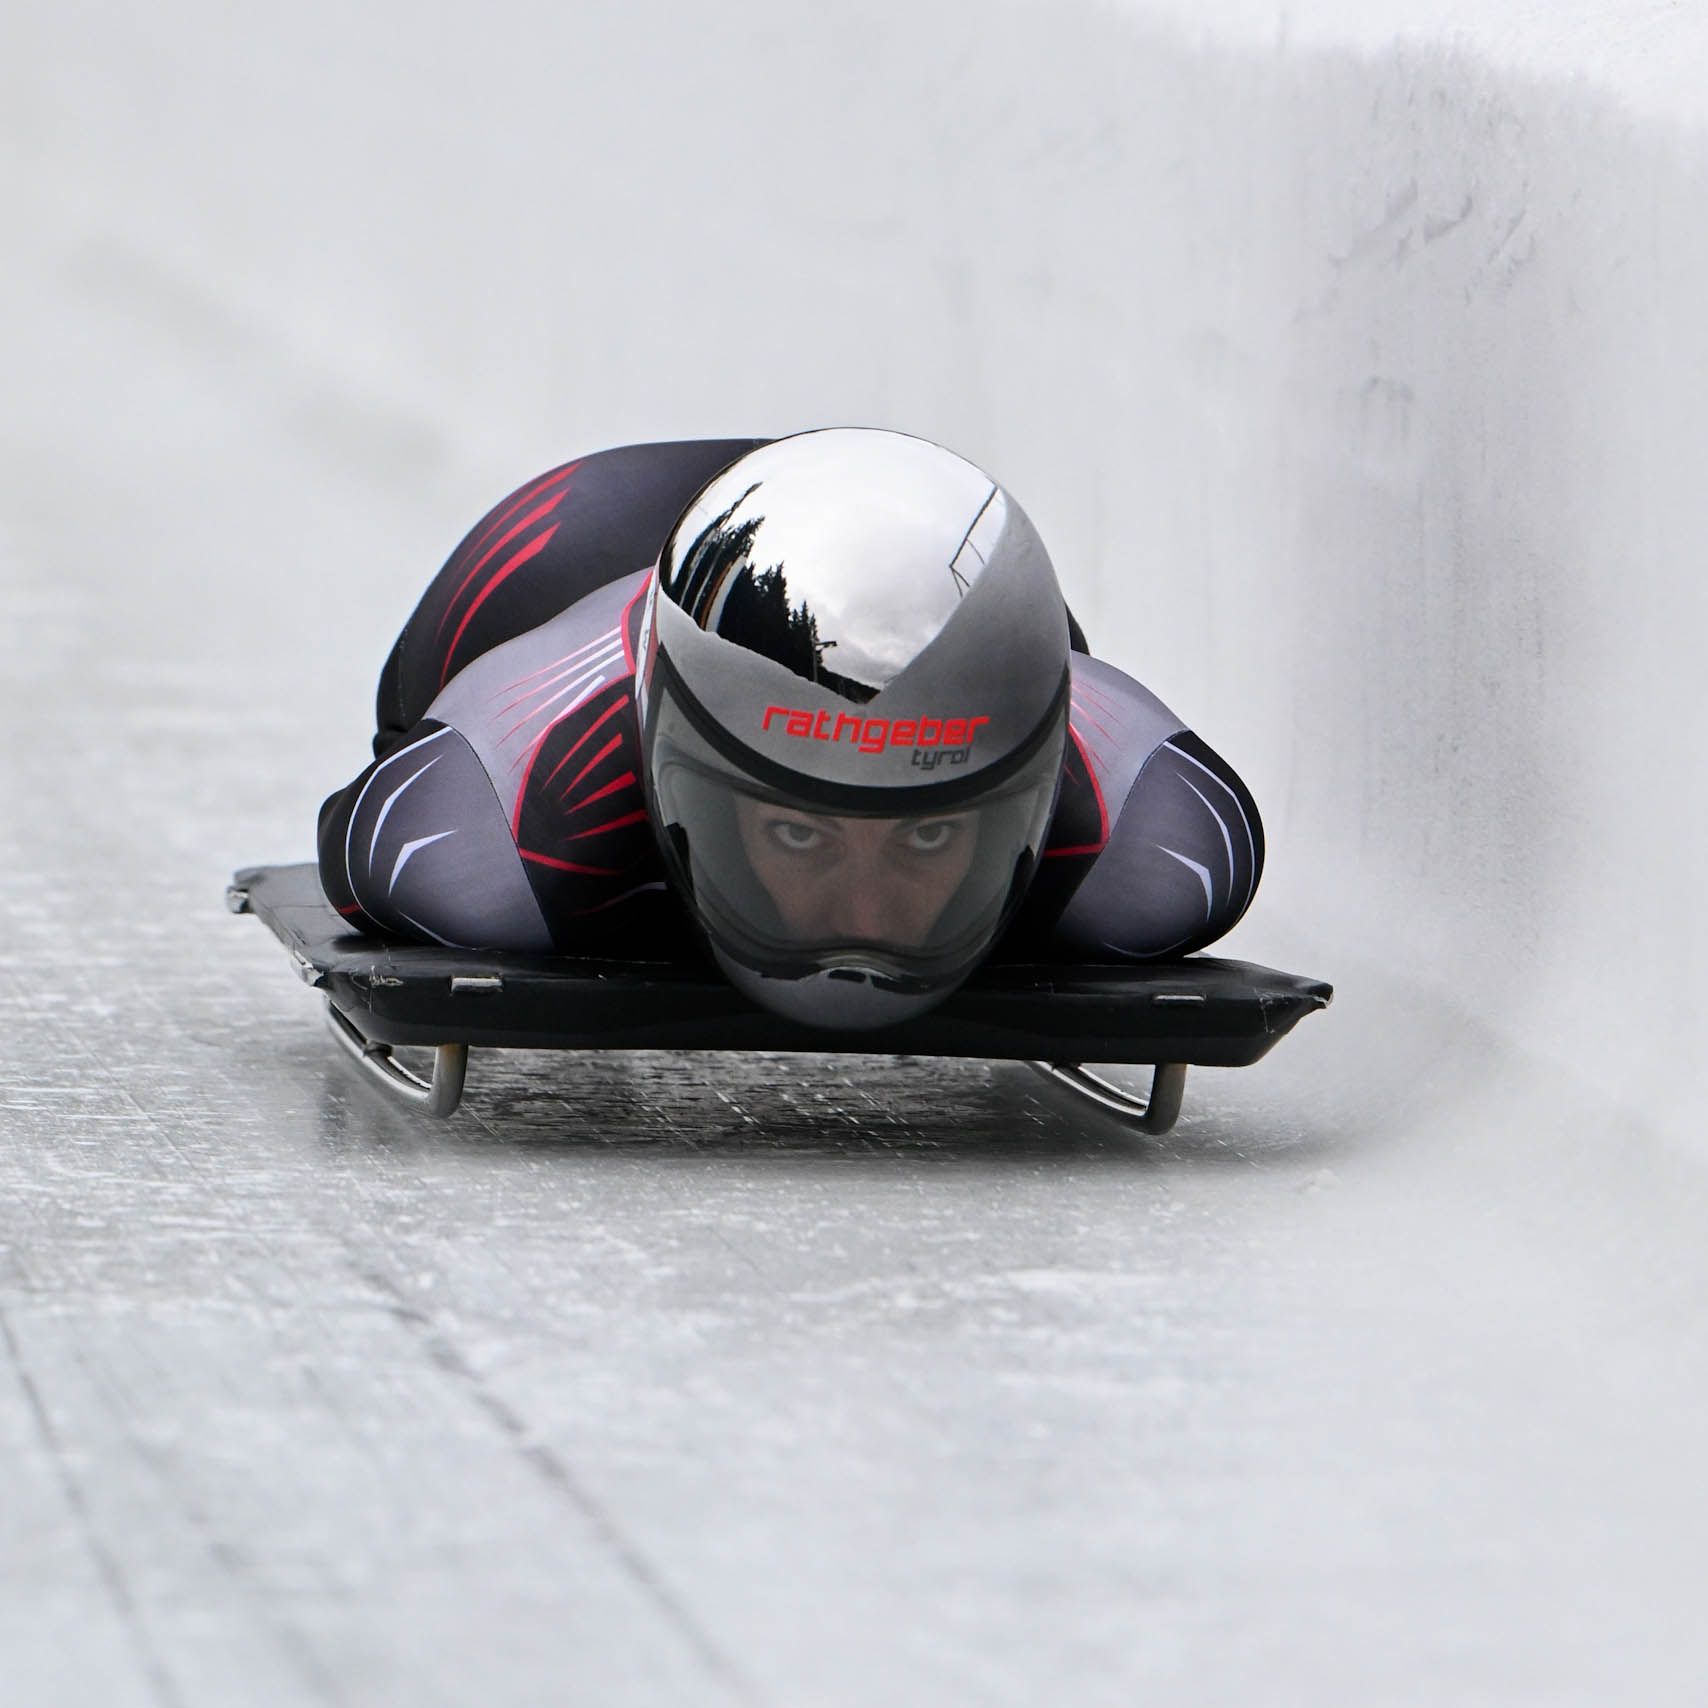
(1167, 1015)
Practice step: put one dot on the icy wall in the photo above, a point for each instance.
(1354, 377)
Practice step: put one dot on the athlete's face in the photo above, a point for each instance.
(857, 880)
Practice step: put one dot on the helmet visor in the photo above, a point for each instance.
(790, 888)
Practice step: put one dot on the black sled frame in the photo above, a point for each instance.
(380, 995)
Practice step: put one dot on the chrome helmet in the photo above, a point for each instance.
(853, 692)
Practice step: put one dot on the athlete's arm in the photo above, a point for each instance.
(1181, 864)
(418, 846)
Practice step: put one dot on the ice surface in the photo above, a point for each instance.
(1357, 392)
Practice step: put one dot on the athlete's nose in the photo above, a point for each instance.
(862, 910)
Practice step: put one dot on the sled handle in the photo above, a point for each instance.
(1154, 1114)
(437, 1096)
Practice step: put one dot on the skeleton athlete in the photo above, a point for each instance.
(812, 704)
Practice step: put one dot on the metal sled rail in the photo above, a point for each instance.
(1154, 1114)
(438, 1096)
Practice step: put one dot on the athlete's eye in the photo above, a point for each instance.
(797, 838)
(931, 835)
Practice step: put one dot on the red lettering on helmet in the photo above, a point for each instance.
(874, 735)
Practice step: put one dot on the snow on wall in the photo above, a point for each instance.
(1355, 377)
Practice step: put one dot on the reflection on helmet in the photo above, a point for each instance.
(854, 701)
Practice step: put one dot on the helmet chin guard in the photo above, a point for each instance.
(849, 998)
(853, 690)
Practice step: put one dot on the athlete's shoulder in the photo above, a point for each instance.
(504, 700)
(1115, 724)
(522, 788)
(551, 715)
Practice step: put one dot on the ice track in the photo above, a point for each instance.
(703, 1380)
